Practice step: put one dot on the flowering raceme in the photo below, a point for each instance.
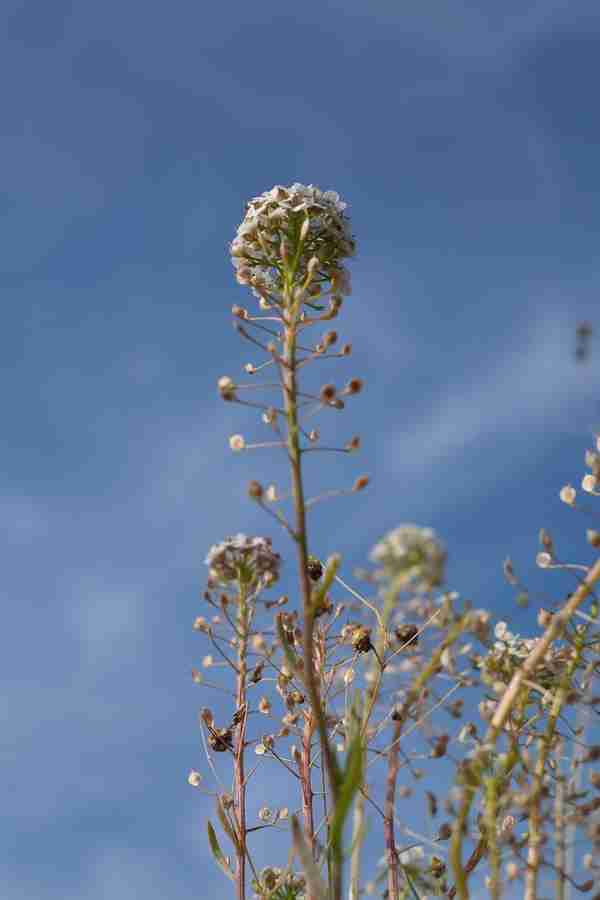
(413, 553)
(245, 559)
(299, 224)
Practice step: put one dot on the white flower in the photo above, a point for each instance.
(412, 855)
(251, 560)
(237, 442)
(299, 222)
(501, 631)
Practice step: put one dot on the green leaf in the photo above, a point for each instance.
(221, 860)
(352, 776)
(313, 876)
(227, 825)
(331, 567)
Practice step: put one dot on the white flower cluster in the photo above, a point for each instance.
(509, 652)
(250, 560)
(507, 642)
(288, 884)
(413, 553)
(300, 227)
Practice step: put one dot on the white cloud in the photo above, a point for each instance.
(535, 386)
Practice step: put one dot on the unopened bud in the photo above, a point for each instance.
(329, 338)
(346, 350)
(239, 312)
(360, 483)
(353, 443)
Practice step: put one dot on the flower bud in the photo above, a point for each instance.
(237, 442)
(360, 483)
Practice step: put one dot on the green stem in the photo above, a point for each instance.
(289, 372)
(239, 776)
(546, 743)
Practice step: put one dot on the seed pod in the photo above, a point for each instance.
(255, 490)
(314, 568)
(220, 739)
(361, 639)
(407, 633)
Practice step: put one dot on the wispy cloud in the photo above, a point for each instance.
(534, 388)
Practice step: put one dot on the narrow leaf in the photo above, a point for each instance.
(217, 852)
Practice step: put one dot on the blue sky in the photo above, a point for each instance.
(465, 139)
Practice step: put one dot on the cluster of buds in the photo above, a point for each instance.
(413, 554)
(247, 560)
(300, 228)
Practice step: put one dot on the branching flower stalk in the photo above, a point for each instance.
(400, 716)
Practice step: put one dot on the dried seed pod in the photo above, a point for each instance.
(407, 633)
(220, 739)
(255, 490)
(361, 639)
(314, 568)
